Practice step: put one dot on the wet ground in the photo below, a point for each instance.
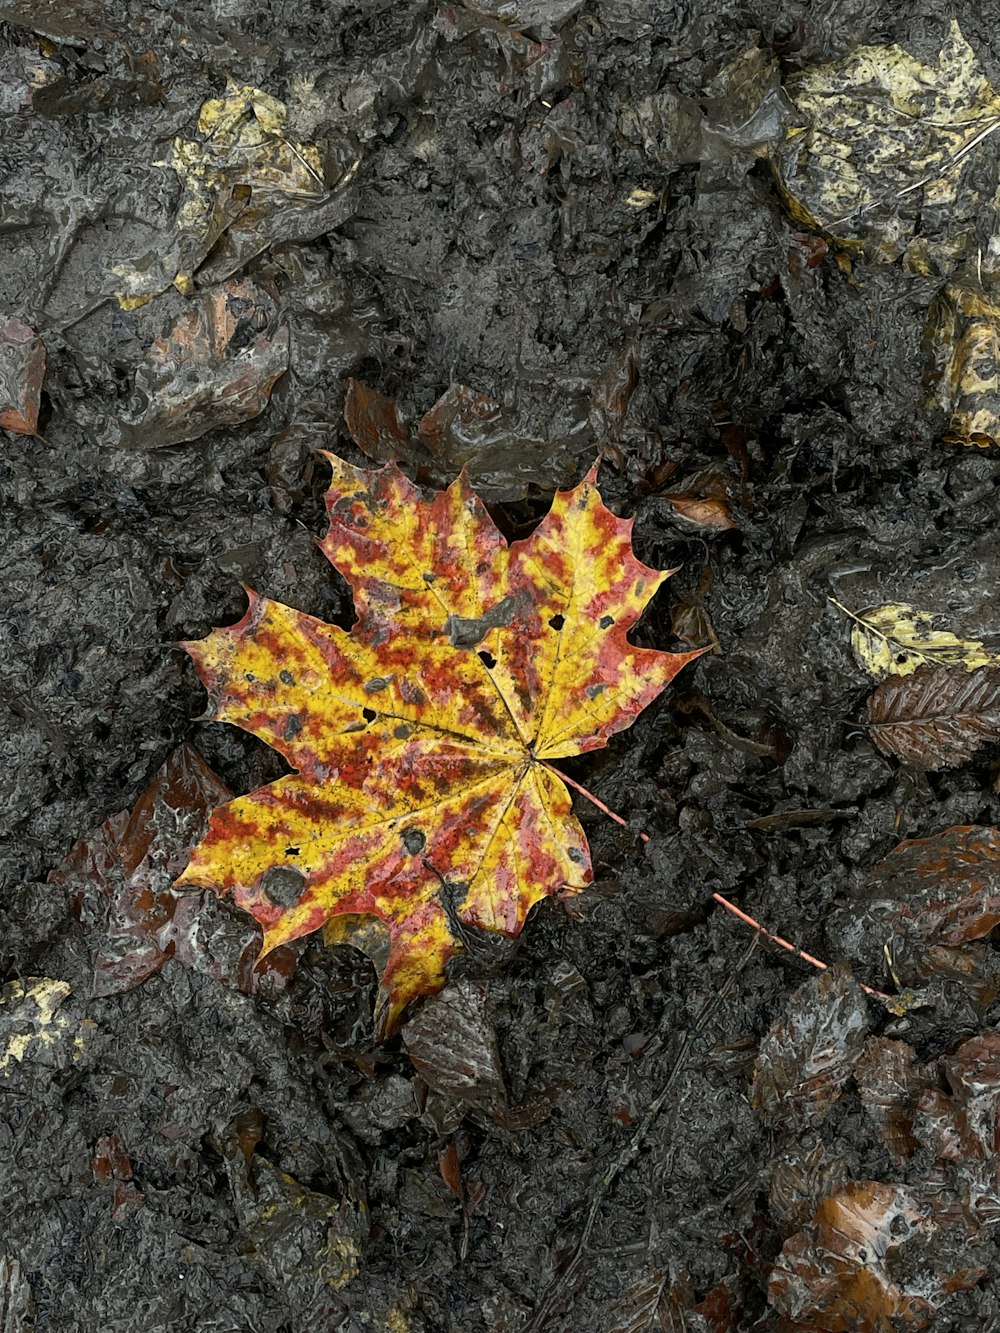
(634, 1119)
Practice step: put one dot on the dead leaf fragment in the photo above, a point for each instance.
(936, 718)
(890, 1084)
(838, 1275)
(216, 367)
(422, 797)
(123, 877)
(22, 371)
(807, 1056)
(962, 339)
(246, 186)
(375, 423)
(453, 1046)
(703, 511)
(884, 151)
(896, 638)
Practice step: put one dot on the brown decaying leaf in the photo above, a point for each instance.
(453, 1046)
(804, 1175)
(125, 874)
(889, 1084)
(704, 511)
(216, 367)
(375, 423)
(843, 1273)
(22, 370)
(936, 718)
(807, 1057)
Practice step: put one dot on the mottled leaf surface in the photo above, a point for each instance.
(421, 805)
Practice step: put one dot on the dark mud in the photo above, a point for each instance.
(207, 1151)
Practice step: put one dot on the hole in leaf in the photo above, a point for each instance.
(557, 621)
(291, 851)
(606, 622)
(414, 841)
(283, 885)
(369, 714)
(488, 660)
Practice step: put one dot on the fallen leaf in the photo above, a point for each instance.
(216, 367)
(808, 1055)
(22, 371)
(453, 1047)
(896, 638)
(375, 423)
(422, 796)
(883, 153)
(806, 1173)
(460, 413)
(16, 1303)
(889, 1084)
(962, 341)
(705, 511)
(936, 718)
(921, 911)
(245, 186)
(124, 879)
(959, 1128)
(848, 1270)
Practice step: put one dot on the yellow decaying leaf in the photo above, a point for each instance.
(895, 639)
(962, 339)
(884, 150)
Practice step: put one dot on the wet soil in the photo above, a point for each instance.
(199, 1152)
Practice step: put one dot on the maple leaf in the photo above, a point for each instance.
(422, 798)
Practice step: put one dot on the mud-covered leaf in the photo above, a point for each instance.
(807, 1057)
(123, 877)
(806, 1173)
(307, 1244)
(962, 342)
(246, 184)
(845, 1271)
(895, 639)
(35, 1029)
(936, 718)
(920, 912)
(453, 1046)
(886, 149)
(889, 1084)
(216, 367)
(22, 371)
(959, 1126)
(421, 797)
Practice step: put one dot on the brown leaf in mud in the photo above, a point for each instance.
(453, 1046)
(216, 367)
(839, 1274)
(936, 718)
(890, 1083)
(706, 511)
(960, 1128)
(375, 423)
(22, 370)
(807, 1057)
(125, 874)
(804, 1175)
(923, 908)
(459, 413)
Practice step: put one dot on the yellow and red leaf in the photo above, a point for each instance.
(421, 797)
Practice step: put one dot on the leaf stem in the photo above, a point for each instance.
(716, 897)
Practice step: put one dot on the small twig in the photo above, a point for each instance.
(552, 1294)
(716, 897)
